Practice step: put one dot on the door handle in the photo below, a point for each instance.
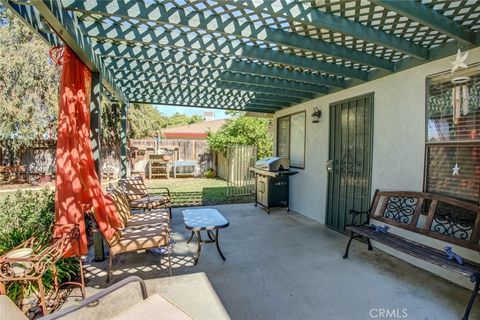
(329, 165)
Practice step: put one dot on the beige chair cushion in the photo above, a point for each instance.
(121, 203)
(134, 187)
(141, 238)
(154, 216)
(115, 239)
(149, 202)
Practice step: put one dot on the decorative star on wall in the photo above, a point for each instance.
(455, 170)
(459, 62)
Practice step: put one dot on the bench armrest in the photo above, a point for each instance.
(160, 188)
(97, 296)
(357, 213)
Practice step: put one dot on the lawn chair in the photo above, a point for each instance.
(140, 198)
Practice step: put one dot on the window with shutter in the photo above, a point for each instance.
(453, 136)
(291, 139)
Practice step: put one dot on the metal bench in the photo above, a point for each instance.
(184, 164)
(440, 217)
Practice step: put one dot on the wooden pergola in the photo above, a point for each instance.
(246, 55)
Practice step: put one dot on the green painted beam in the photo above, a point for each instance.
(155, 96)
(160, 99)
(300, 13)
(197, 20)
(429, 17)
(211, 62)
(237, 107)
(195, 72)
(175, 91)
(126, 78)
(228, 84)
(68, 29)
(31, 17)
(187, 89)
(438, 52)
(192, 105)
(209, 45)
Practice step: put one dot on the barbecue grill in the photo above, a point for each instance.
(272, 182)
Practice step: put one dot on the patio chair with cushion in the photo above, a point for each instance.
(145, 231)
(139, 196)
(139, 238)
(136, 217)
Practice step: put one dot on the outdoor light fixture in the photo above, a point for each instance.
(316, 115)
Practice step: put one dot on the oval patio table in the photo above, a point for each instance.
(205, 219)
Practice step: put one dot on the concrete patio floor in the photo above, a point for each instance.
(286, 266)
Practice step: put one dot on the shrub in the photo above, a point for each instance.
(22, 215)
(209, 173)
(245, 131)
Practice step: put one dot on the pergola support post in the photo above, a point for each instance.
(96, 122)
(123, 142)
(95, 138)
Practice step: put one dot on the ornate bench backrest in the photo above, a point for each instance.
(448, 219)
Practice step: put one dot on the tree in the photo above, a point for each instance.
(28, 85)
(145, 121)
(243, 131)
(180, 119)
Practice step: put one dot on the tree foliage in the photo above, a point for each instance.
(180, 119)
(28, 85)
(145, 121)
(243, 131)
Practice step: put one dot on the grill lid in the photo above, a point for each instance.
(273, 164)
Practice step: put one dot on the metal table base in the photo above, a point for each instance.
(212, 238)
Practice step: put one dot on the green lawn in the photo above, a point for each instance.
(197, 191)
(192, 191)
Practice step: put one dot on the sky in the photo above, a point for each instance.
(170, 110)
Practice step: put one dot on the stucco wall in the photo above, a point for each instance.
(399, 138)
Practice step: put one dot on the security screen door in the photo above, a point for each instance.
(350, 165)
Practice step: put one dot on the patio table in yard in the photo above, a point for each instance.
(205, 219)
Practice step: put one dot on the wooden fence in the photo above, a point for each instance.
(187, 150)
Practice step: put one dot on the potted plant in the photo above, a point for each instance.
(210, 173)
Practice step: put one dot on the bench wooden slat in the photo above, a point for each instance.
(447, 219)
(417, 250)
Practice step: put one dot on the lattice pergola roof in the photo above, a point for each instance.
(250, 55)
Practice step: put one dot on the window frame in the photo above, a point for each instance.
(428, 145)
(289, 116)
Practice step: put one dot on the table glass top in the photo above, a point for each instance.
(205, 218)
